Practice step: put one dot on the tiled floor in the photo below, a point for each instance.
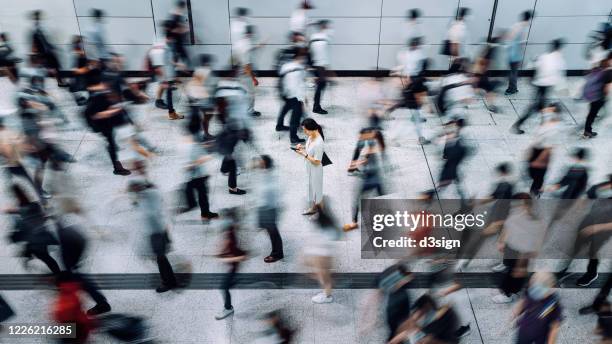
(183, 317)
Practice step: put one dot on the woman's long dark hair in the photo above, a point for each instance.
(311, 124)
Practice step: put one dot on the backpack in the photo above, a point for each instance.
(593, 87)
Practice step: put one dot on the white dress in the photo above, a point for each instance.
(314, 148)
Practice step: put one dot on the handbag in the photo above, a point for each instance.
(325, 160)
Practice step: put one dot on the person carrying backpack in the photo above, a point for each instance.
(595, 92)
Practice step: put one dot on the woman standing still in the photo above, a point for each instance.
(313, 153)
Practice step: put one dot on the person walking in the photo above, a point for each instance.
(457, 37)
(293, 93)
(149, 202)
(313, 153)
(243, 51)
(165, 67)
(196, 158)
(516, 38)
(44, 49)
(319, 48)
(231, 254)
(596, 90)
(96, 39)
(549, 73)
(268, 207)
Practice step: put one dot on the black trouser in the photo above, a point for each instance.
(90, 288)
(45, 257)
(538, 104)
(321, 84)
(227, 283)
(169, 97)
(593, 111)
(165, 271)
(537, 175)
(109, 134)
(510, 284)
(513, 76)
(267, 220)
(228, 165)
(602, 296)
(297, 111)
(523, 338)
(365, 188)
(180, 52)
(280, 120)
(197, 185)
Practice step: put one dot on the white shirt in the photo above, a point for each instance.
(411, 61)
(243, 51)
(457, 33)
(293, 80)
(319, 47)
(550, 69)
(156, 54)
(458, 94)
(298, 21)
(238, 28)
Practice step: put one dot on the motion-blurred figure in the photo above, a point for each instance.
(233, 255)
(164, 65)
(454, 153)
(516, 38)
(539, 314)
(482, 73)
(596, 90)
(178, 28)
(8, 60)
(298, 22)
(199, 91)
(268, 206)
(549, 73)
(277, 331)
(243, 52)
(150, 205)
(319, 48)
(80, 64)
(292, 91)
(96, 39)
(45, 49)
(457, 37)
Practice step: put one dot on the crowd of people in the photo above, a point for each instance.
(47, 212)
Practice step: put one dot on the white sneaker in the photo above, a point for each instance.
(322, 298)
(501, 298)
(224, 313)
(499, 268)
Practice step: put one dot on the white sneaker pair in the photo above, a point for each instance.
(502, 299)
(322, 298)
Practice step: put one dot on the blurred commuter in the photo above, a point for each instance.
(80, 64)
(539, 314)
(320, 252)
(238, 23)
(482, 73)
(456, 91)
(8, 60)
(178, 28)
(196, 158)
(199, 91)
(314, 154)
(516, 38)
(150, 203)
(454, 153)
(127, 91)
(103, 115)
(233, 255)
(319, 48)
(298, 22)
(96, 39)
(457, 37)
(30, 228)
(369, 164)
(429, 323)
(268, 206)
(68, 308)
(413, 26)
(243, 51)
(12, 148)
(599, 44)
(521, 239)
(545, 138)
(293, 93)
(596, 90)
(164, 66)
(45, 49)
(549, 73)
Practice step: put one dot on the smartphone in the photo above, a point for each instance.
(293, 149)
